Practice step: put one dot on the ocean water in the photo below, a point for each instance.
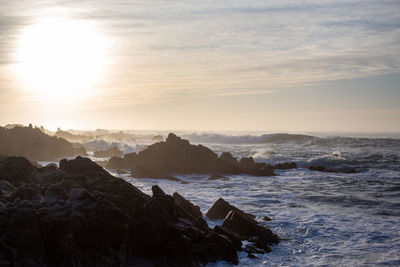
(322, 219)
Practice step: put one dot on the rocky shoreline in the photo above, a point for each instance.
(80, 215)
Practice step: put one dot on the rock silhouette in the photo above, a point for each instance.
(80, 215)
(35, 145)
(178, 156)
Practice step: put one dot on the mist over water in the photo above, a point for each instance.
(331, 219)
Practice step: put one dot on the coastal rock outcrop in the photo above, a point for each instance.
(35, 145)
(79, 215)
(178, 156)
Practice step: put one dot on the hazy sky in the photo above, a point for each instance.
(201, 65)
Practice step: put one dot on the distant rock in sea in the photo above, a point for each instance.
(178, 156)
(80, 215)
(110, 152)
(35, 145)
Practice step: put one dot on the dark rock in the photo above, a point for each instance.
(178, 156)
(217, 177)
(80, 215)
(252, 249)
(185, 204)
(324, 169)
(267, 219)
(251, 256)
(35, 145)
(157, 191)
(141, 171)
(249, 229)
(235, 239)
(220, 209)
(81, 165)
(111, 152)
(241, 225)
(285, 166)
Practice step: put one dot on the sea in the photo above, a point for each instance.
(321, 218)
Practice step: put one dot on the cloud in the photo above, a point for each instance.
(172, 49)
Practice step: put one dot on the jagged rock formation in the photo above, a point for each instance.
(178, 156)
(35, 145)
(110, 152)
(239, 225)
(80, 215)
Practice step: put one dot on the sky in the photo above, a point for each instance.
(243, 65)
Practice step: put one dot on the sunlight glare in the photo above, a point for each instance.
(60, 58)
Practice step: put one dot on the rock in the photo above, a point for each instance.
(250, 249)
(157, 191)
(157, 138)
(220, 209)
(110, 152)
(251, 256)
(15, 170)
(35, 145)
(324, 169)
(178, 156)
(250, 230)
(78, 194)
(80, 215)
(142, 172)
(241, 225)
(81, 165)
(217, 177)
(185, 204)
(267, 219)
(235, 239)
(285, 166)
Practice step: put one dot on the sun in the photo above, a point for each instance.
(59, 58)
